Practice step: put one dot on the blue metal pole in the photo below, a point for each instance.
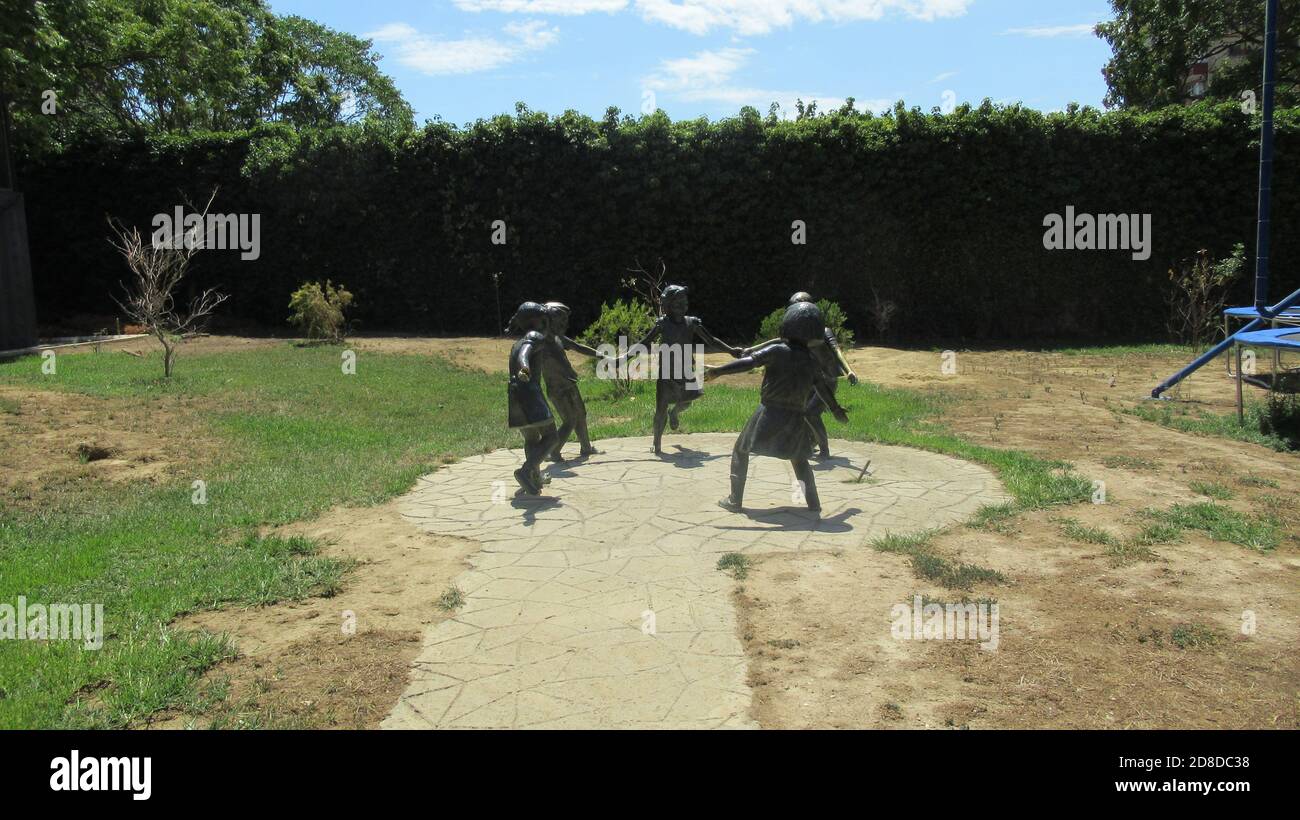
(1262, 242)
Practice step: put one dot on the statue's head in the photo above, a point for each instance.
(530, 316)
(801, 296)
(803, 322)
(674, 301)
(558, 313)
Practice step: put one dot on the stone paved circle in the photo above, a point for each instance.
(600, 605)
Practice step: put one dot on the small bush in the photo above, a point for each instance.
(771, 325)
(629, 320)
(318, 310)
(1199, 293)
(1281, 419)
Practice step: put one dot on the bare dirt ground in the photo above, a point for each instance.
(51, 439)
(342, 661)
(1084, 642)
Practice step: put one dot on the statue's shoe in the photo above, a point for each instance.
(526, 482)
(729, 505)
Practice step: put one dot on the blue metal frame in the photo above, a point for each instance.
(1262, 244)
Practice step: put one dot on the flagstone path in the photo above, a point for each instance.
(600, 604)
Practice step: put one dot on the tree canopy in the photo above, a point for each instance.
(1156, 43)
(128, 67)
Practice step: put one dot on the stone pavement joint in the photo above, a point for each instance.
(600, 605)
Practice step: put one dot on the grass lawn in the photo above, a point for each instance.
(296, 436)
(1202, 422)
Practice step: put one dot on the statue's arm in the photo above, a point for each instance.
(573, 344)
(760, 346)
(744, 364)
(828, 396)
(710, 339)
(843, 363)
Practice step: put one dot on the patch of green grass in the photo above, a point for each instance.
(735, 563)
(451, 600)
(1074, 529)
(1158, 532)
(927, 563)
(1194, 636)
(952, 574)
(1128, 463)
(1124, 351)
(1212, 490)
(1223, 524)
(995, 517)
(1258, 481)
(10, 406)
(1123, 552)
(1201, 422)
(1274, 504)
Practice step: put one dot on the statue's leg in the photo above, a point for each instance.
(563, 406)
(819, 432)
(661, 415)
(548, 442)
(739, 472)
(677, 409)
(525, 475)
(584, 438)
(803, 471)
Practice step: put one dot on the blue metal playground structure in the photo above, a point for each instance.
(1262, 328)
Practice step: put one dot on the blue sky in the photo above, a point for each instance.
(466, 59)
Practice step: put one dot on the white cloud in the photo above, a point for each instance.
(749, 17)
(432, 55)
(708, 77)
(1079, 30)
(746, 17)
(542, 6)
(947, 75)
(533, 34)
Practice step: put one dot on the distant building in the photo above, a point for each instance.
(1201, 75)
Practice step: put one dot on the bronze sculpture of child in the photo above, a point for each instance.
(527, 408)
(562, 381)
(778, 427)
(831, 359)
(676, 333)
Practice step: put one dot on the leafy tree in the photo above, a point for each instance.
(1155, 43)
(129, 67)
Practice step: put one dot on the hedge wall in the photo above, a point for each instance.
(941, 214)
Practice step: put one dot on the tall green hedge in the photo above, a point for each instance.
(941, 214)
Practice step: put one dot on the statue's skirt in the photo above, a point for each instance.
(778, 432)
(527, 405)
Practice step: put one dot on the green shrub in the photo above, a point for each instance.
(318, 310)
(629, 320)
(1199, 294)
(835, 319)
(1281, 418)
